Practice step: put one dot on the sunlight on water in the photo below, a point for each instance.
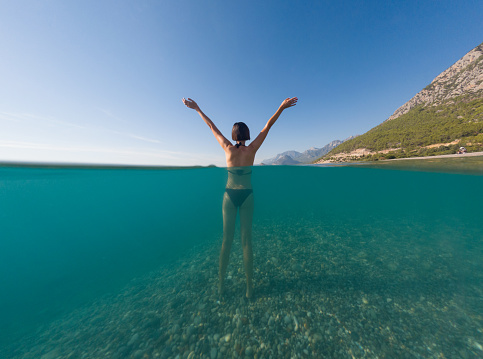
(349, 262)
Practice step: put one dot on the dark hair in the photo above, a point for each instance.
(240, 132)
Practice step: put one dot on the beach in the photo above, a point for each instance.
(455, 155)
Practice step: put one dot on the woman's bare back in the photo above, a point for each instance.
(239, 156)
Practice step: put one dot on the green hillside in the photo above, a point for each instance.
(460, 118)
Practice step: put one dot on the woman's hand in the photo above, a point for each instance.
(191, 104)
(289, 102)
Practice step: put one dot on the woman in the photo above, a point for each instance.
(238, 193)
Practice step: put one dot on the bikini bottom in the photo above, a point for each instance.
(238, 196)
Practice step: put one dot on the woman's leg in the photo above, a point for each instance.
(229, 218)
(246, 219)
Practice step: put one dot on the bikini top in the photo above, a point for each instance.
(238, 145)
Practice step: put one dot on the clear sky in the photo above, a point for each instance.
(102, 81)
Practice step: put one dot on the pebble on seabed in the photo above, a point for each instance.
(324, 297)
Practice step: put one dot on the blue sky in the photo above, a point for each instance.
(102, 81)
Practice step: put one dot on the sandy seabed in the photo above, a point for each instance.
(321, 291)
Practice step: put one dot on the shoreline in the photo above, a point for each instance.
(471, 154)
(454, 155)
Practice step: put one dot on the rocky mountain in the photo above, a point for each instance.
(446, 114)
(308, 156)
(285, 160)
(281, 156)
(465, 77)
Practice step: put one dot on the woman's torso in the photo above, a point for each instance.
(239, 177)
(239, 162)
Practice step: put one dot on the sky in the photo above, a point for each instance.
(102, 81)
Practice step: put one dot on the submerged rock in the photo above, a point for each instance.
(53, 354)
(134, 340)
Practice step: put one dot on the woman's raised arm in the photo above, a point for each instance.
(257, 142)
(218, 135)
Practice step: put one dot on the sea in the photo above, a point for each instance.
(354, 261)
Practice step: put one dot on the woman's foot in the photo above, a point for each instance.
(221, 290)
(249, 293)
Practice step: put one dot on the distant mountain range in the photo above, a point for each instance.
(446, 114)
(308, 156)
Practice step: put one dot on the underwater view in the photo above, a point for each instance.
(349, 262)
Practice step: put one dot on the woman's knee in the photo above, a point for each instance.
(227, 243)
(246, 241)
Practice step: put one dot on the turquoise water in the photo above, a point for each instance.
(349, 262)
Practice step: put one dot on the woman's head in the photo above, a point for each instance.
(240, 132)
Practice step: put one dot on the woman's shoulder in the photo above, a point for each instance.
(233, 149)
